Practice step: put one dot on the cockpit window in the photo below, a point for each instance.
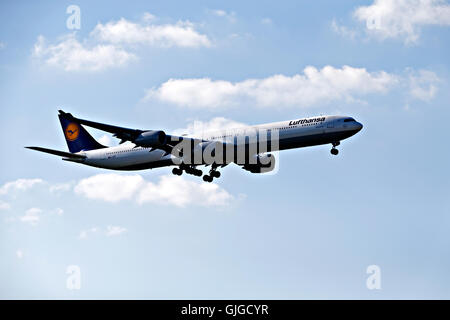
(349, 120)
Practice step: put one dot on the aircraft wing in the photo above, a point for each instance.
(133, 135)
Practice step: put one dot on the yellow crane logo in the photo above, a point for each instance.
(72, 131)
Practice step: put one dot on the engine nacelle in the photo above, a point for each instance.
(261, 164)
(151, 139)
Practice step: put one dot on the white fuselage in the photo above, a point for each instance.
(292, 134)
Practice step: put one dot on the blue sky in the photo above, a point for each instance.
(308, 231)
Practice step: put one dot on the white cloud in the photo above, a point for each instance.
(148, 17)
(58, 211)
(182, 192)
(402, 18)
(110, 45)
(181, 34)
(72, 55)
(2, 45)
(60, 187)
(19, 254)
(32, 216)
(26, 184)
(110, 187)
(114, 231)
(302, 90)
(84, 234)
(110, 231)
(4, 205)
(343, 30)
(267, 21)
(423, 84)
(219, 13)
(105, 140)
(231, 16)
(168, 190)
(19, 185)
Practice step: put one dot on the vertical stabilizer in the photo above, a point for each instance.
(77, 138)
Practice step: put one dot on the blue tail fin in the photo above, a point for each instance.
(77, 138)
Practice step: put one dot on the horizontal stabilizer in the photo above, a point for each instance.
(59, 153)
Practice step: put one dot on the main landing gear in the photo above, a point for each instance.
(188, 170)
(213, 173)
(177, 171)
(333, 150)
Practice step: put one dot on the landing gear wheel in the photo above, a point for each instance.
(198, 173)
(177, 171)
(334, 151)
(215, 174)
(207, 178)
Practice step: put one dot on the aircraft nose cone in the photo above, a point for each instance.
(359, 126)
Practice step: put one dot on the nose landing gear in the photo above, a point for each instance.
(333, 150)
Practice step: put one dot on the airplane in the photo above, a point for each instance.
(148, 149)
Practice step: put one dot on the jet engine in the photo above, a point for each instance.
(151, 139)
(261, 164)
